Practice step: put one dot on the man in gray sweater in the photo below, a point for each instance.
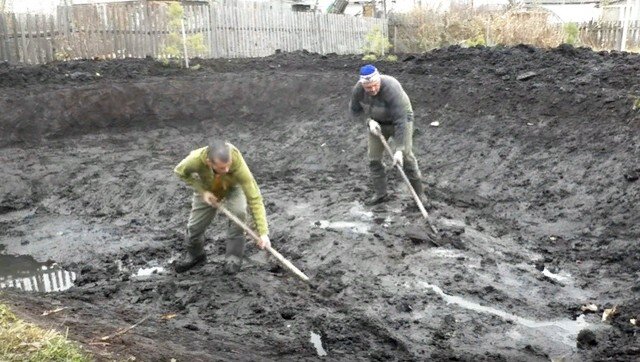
(380, 102)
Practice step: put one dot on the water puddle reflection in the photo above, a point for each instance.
(25, 273)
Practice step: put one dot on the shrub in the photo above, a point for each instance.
(174, 42)
(376, 45)
(571, 32)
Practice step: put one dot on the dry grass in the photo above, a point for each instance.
(20, 341)
(514, 28)
(425, 29)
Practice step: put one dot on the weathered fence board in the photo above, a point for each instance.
(608, 35)
(138, 29)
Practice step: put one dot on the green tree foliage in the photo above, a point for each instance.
(173, 45)
(571, 33)
(376, 45)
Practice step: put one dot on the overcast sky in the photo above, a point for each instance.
(36, 6)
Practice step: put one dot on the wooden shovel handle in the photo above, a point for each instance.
(286, 263)
(406, 179)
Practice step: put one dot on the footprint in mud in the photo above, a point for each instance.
(447, 328)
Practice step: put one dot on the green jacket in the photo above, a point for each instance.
(239, 174)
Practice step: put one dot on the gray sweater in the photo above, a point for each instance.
(391, 106)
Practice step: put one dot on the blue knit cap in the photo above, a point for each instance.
(369, 73)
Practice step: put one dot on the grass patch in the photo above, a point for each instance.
(21, 341)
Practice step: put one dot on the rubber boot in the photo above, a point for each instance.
(235, 250)
(379, 181)
(232, 265)
(415, 180)
(195, 256)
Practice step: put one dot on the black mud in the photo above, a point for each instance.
(536, 174)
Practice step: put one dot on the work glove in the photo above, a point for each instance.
(398, 158)
(264, 242)
(374, 127)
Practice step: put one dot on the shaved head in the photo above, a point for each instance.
(219, 151)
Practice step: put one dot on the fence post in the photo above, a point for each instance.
(49, 30)
(63, 25)
(144, 12)
(41, 56)
(4, 49)
(625, 26)
(184, 45)
(20, 24)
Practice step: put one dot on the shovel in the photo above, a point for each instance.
(286, 263)
(423, 211)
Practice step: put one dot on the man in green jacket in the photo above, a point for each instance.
(218, 173)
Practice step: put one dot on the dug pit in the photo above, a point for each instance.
(532, 170)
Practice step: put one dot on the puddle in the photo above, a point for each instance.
(316, 340)
(25, 273)
(566, 330)
(357, 227)
(144, 272)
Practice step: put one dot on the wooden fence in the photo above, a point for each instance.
(140, 29)
(608, 35)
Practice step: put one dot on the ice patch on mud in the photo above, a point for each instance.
(25, 273)
(145, 272)
(358, 210)
(152, 268)
(361, 226)
(357, 227)
(316, 340)
(561, 276)
(447, 253)
(567, 330)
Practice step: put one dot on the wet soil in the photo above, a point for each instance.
(533, 172)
